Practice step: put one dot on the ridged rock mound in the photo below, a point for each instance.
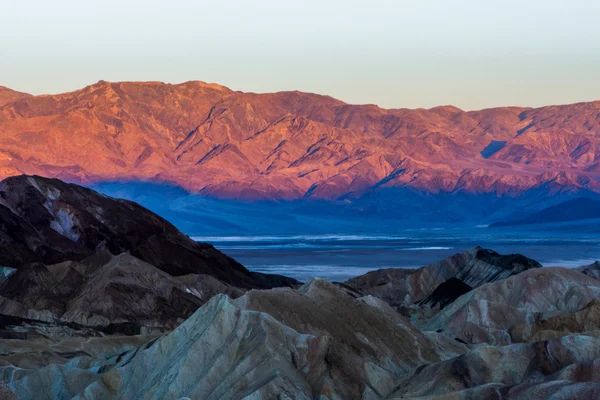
(565, 368)
(402, 288)
(487, 313)
(107, 293)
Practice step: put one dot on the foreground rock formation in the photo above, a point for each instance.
(210, 139)
(531, 335)
(316, 341)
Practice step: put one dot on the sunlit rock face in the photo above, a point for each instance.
(289, 145)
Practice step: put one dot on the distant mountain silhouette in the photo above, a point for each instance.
(571, 210)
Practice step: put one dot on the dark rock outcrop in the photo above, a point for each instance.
(49, 221)
(103, 292)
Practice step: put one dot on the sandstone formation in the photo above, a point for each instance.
(319, 341)
(300, 344)
(288, 145)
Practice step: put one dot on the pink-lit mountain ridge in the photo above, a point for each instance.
(214, 141)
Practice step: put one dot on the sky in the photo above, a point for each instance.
(419, 53)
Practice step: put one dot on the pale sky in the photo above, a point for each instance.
(421, 53)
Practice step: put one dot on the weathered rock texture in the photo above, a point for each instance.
(101, 299)
(487, 313)
(300, 344)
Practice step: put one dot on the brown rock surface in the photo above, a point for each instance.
(585, 320)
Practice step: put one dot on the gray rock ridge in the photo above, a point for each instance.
(592, 270)
(403, 288)
(486, 314)
(280, 341)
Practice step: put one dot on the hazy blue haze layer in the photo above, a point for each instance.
(339, 257)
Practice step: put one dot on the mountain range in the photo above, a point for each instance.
(221, 143)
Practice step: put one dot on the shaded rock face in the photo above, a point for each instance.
(314, 342)
(511, 372)
(49, 221)
(403, 288)
(446, 293)
(321, 340)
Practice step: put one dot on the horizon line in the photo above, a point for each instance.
(297, 91)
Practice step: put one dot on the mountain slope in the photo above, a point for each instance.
(210, 139)
(49, 221)
(7, 95)
(571, 210)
